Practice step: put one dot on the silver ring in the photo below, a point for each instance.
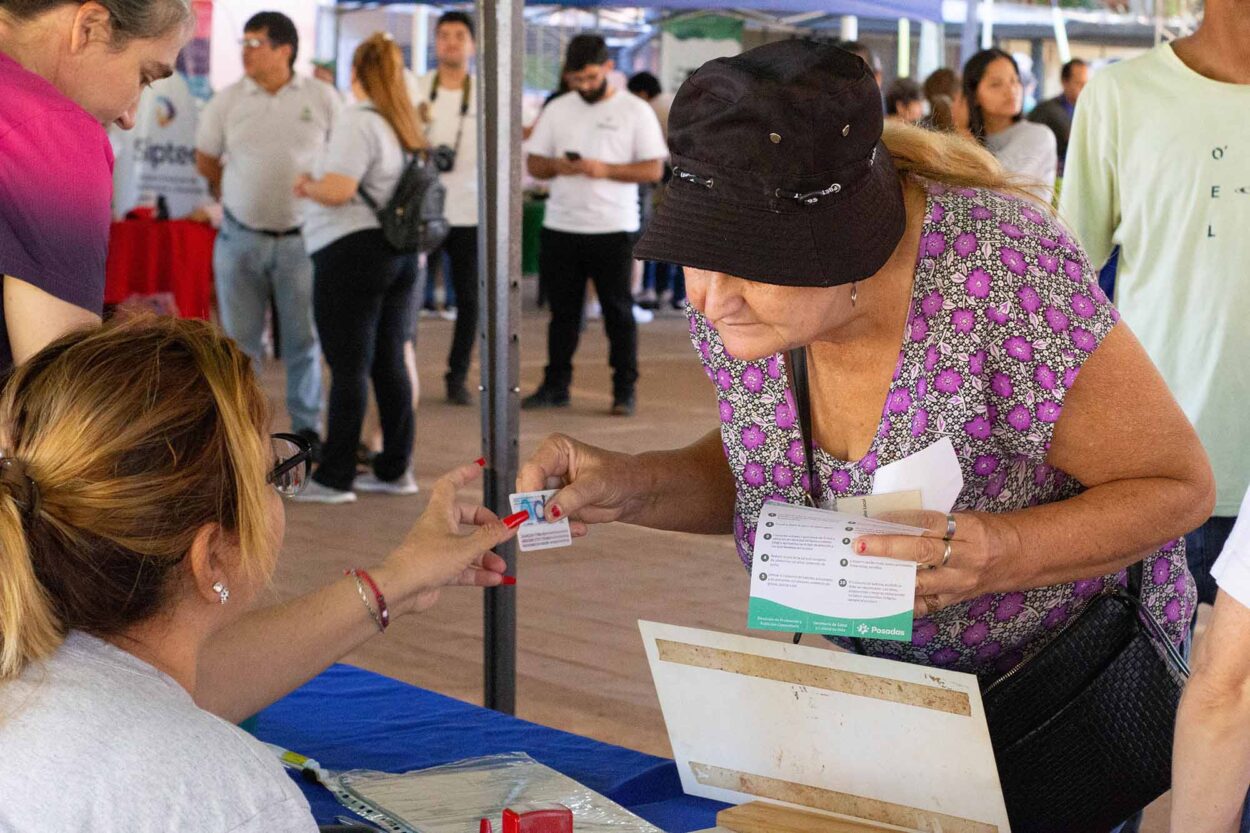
(950, 528)
(946, 555)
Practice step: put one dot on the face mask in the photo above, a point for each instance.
(594, 95)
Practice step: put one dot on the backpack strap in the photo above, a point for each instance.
(409, 160)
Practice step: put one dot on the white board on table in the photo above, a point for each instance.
(859, 737)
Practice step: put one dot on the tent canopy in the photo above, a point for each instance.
(886, 9)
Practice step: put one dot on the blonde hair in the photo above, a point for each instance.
(134, 436)
(379, 67)
(952, 160)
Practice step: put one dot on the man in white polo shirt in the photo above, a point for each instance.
(255, 138)
(595, 145)
(447, 99)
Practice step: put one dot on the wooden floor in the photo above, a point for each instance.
(580, 662)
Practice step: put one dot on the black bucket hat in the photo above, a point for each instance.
(779, 173)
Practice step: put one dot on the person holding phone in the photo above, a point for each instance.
(596, 146)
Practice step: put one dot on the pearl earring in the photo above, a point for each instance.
(222, 591)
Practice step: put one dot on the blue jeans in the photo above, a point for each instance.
(1202, 548)
(249, 268)
(440, 269)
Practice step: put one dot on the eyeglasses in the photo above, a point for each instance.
(254, 43)
(293, 454)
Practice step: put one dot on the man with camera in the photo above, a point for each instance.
(448, 102)
(596, 146)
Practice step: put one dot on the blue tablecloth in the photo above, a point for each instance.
(349, 718)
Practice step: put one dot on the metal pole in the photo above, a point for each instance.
(987, 24)
(904, 48)
(848, 27)
(499, 81)
(968, 37)
(1061, 32)
(932, 53)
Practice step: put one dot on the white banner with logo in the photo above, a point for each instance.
(157, 158)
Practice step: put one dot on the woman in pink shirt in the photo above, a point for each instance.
(67, 70)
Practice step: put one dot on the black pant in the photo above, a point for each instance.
(565, 262)
(461, 249)
(363, 305)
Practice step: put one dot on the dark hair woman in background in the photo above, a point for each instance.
(996, 118)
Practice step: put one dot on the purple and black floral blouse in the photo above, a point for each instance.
(1005, 311)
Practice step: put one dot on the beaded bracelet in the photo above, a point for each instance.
(382, 618)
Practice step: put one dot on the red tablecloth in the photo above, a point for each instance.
(151, 256)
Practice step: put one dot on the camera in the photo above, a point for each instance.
(444, 158)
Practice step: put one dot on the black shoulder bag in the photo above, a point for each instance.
(1082, 729)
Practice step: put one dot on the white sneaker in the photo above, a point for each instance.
(447, 313)
(314, 492)
(405, 485)
(643, 316)
(593, 311)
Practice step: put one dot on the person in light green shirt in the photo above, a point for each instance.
(1159, 165)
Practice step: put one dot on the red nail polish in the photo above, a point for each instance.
(508, 580)
(554, 511)
(515, 519)
(481, 461)
(861, 547)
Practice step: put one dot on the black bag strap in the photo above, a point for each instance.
(796, 369)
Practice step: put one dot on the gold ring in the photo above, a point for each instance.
(946, 555)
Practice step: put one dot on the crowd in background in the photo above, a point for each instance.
(300, 167)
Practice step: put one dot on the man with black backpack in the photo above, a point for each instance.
(596, 146)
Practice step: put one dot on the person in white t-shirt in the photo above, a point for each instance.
(1159, 165)
(595, 145)
(448, 103)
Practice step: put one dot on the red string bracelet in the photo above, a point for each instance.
(384, 615)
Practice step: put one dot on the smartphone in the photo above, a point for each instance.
(572, 155)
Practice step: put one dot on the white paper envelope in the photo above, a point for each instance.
(934, 471)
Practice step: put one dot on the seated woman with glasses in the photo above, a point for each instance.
(140, 518)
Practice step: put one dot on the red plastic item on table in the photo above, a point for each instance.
(555, 819)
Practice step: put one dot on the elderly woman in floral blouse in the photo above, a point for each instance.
(934, 300)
